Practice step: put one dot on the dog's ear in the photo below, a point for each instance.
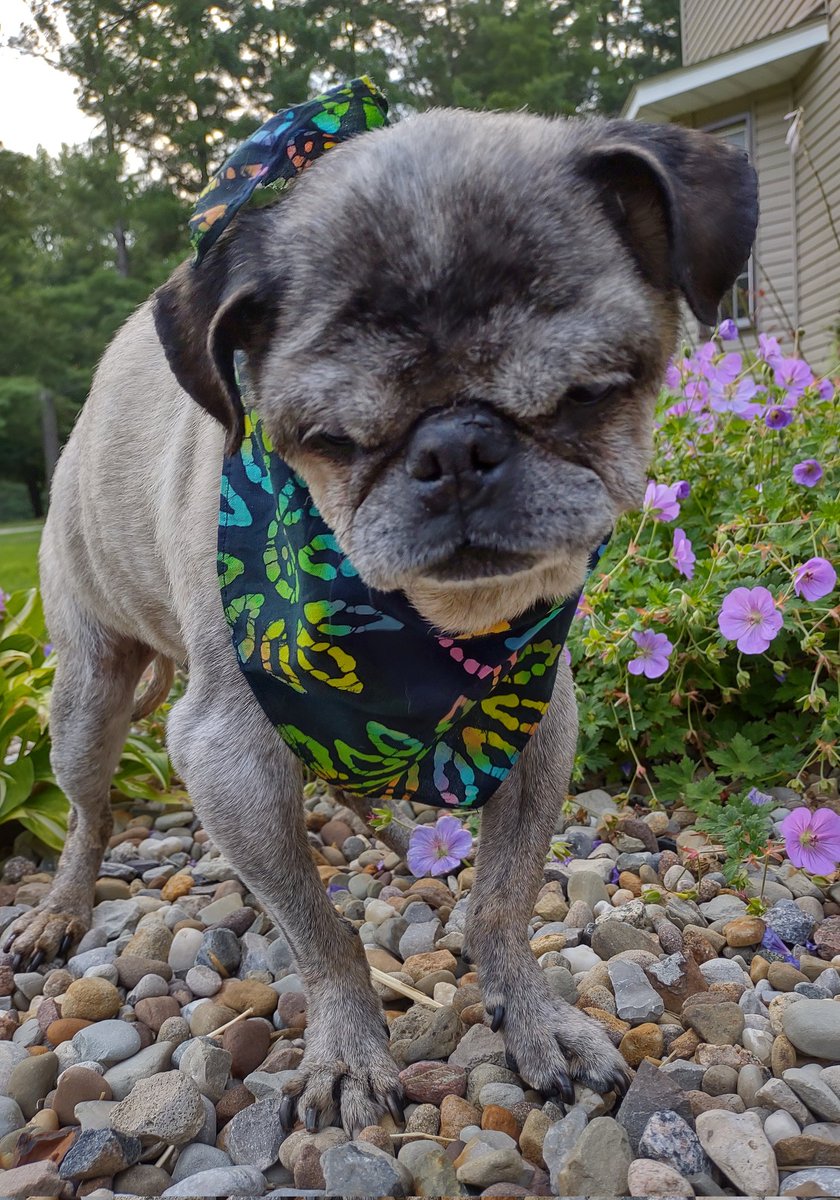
(204, 313)
(685, 202)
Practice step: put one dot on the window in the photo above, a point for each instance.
(737, 304)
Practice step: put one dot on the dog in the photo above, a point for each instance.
(421, 284)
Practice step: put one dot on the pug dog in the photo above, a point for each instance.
(493, 297)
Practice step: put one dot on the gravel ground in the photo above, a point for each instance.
(152, 1063)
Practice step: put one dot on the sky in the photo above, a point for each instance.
(37, 103)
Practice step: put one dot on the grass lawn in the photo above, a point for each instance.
(19, 555)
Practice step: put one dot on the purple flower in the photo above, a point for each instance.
(614, 875)
(654, 651)
(758, 798)
(48, 649)
(814, 579)
(808, 472)
(439, 848)
(812, 840)
(777, 418)
(684, 556)
(825, 389)
(727, 330)
(768, 348)
(4, 596)
(793, 375)
(682, 489)
(673, 377)
(661, 501)
(771, 941)
(749, 617)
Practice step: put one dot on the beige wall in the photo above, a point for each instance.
(817, 91)
(711, 27)
(796, 258)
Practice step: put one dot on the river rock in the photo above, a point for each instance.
(31, 1079)
(107, 1042)
(220, 1181)
(122, 1077)
(814, 1027)
(166, 1107)
(598, 1162)
(736, 1143)
(669, 1139)
(645, 1177)
(360, 1169)
(98, 1152)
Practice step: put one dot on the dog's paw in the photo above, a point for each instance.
(42, 935)
(552, 1045)
(336, 1093)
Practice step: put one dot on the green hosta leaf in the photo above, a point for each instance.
(16, 781)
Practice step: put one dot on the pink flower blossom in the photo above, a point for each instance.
(654, 652)
(808, 473)
(812, 840)
(749, 617)
(683, 554)
(661, 501)
(439, 848)
(814, 579)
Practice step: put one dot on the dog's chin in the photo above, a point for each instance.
(470, 605)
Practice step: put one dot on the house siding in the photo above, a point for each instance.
(711, 27)
(817, 92)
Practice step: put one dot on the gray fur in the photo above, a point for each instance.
(461, 264)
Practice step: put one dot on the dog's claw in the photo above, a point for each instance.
(395, 1108)
(511, 1063)
(7, 945)
(311, 1120)
(16, 961)
(498, 1017)
(564, 1087)
(287, 1112)
(64, 945)
(36, 960)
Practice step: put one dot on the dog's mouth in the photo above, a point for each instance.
(469, 563)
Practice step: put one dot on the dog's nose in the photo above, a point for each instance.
(458, 454)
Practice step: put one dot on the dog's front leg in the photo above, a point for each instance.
(246, 786)
(550, 1042)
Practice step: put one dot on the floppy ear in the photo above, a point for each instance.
(686, 204)
(204, 313)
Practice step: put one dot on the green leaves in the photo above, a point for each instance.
(29, 794)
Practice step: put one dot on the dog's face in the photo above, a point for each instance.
(456, 331)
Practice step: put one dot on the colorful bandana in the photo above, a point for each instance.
(363, 690)
(280, 149)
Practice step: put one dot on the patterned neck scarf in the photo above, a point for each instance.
(364, 691)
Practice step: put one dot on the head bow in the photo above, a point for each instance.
(280, 149)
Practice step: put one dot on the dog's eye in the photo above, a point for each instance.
(589, 394)
(329, 442)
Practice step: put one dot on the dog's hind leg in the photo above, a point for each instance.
(247, 788)
(549, 1042)
(90, 711)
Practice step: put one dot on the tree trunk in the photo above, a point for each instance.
(35, 500)
(122, 249)
(49, 428)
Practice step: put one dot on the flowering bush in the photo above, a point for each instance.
(706, 653)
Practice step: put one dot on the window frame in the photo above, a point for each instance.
(735, 121)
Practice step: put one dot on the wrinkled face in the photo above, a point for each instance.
(456, 329)
(466, 378)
